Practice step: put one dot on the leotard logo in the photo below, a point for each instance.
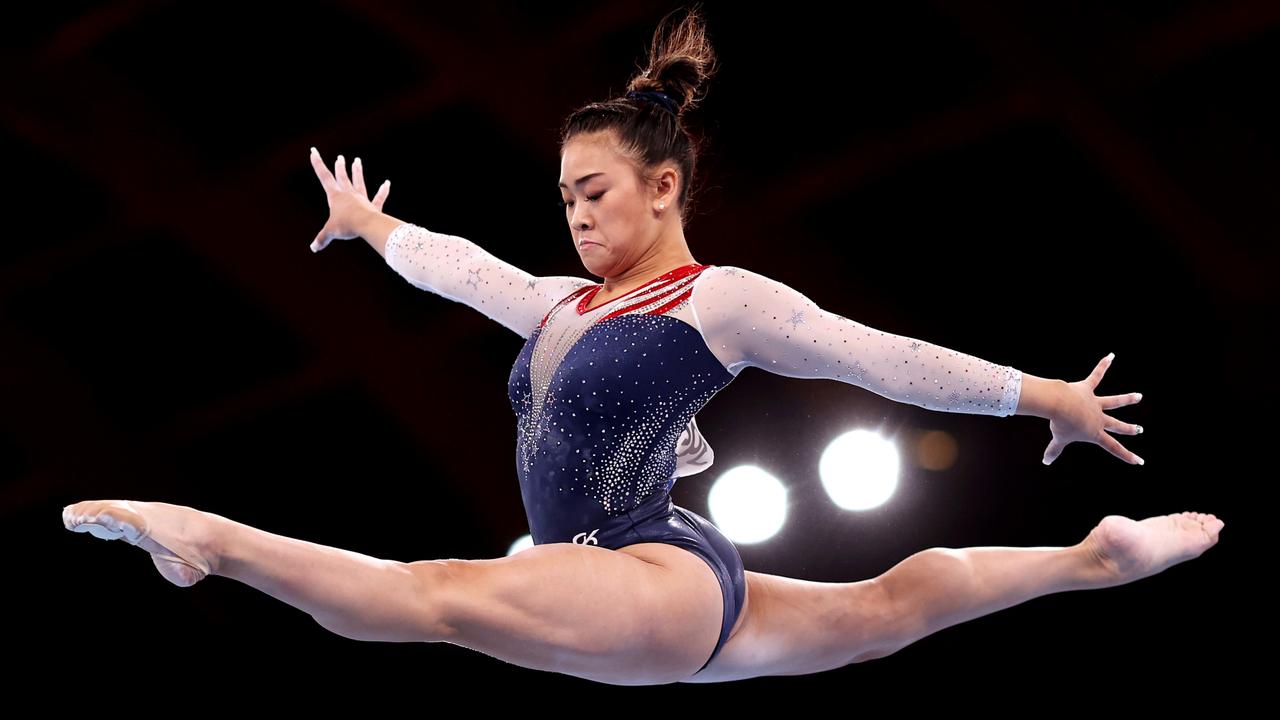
(585, 539)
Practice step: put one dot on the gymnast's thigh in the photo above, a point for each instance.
(587, 611)
(795, 627)
(683, 532)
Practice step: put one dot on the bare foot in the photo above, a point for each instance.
(177, 536)
(1131, 549)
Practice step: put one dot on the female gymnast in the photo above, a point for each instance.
(622, 586)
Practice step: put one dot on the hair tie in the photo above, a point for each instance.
(661, 98)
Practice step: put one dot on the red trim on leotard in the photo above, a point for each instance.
(585, 294)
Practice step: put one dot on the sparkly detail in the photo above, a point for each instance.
(857, 372)
(751, 320)
(605, 396)
(605, 399)
(458, 269)
(1012, 391)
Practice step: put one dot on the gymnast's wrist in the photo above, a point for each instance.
(374, 227)
(1040, 397)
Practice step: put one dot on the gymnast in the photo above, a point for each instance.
(621, 585)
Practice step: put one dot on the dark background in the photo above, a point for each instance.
(1037, 185)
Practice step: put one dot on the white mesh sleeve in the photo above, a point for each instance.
(458, 269)
(748, 319)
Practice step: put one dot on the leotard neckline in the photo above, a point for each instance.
(675, 274)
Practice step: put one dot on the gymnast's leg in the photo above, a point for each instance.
(941, 587)
(649, 613)
(796, 627)
(354, 595)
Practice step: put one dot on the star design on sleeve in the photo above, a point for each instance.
(797, 317)
(419, 244)
(915, 346)
(473, 277)
(532, 281)
(731, 270)
(857, 371)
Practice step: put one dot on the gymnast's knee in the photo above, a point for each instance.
(916, 586)
(433, 582)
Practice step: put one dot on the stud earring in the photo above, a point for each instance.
(661, 205)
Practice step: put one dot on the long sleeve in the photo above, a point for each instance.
(748, 319)
(460, 270)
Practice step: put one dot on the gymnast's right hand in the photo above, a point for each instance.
(348, 200)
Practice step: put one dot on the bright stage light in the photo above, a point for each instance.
(859, 470)
(748, 504)
(523, 542)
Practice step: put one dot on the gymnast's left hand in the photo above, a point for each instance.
(1080, 416)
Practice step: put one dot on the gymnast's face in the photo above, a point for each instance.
(613, 219)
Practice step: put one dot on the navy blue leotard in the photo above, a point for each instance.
(605, 393)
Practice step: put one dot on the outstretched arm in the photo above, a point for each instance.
(447, 265)
(752, 320)
(748, 319)
(458, 269)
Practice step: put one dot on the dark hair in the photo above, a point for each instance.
(680, 62)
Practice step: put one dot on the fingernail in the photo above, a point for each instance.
(1141, 461)
(1138, 395)
(1139, 429)
(1112, 356)
(313, 149)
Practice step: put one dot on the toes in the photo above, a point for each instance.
(101, 519)
(71, 517)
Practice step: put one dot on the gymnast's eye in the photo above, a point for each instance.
(564, 204)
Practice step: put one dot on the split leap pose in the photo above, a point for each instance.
(621, 585)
